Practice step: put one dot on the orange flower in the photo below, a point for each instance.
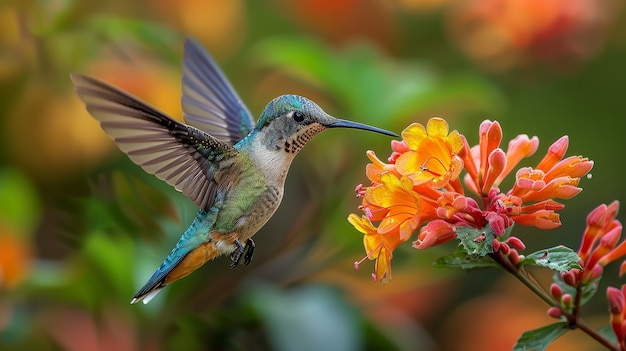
(377, 167)
(519, 148)
(403, 204)
(484, 162)
(377, 246)
(433, 153)
(419, 187)
(554, 177)
(600, 245)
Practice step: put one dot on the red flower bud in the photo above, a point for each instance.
(555, 312)
(567, 300)
(516, 243)
(556, 291)
(569, 278)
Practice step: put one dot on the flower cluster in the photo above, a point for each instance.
(419, 189)
(600, 246)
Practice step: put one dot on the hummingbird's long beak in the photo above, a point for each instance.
(342, 123)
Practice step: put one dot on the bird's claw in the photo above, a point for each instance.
(249, 252)
(235, 256)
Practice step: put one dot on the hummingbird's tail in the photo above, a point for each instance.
(176, 266)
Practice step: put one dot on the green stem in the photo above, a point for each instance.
(574, 319)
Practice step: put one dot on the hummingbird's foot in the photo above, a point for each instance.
(249, 252)
(235, 256)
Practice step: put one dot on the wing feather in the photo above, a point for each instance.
(173, 151)
(209, 101)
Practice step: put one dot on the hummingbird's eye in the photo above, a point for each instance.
(298, 116)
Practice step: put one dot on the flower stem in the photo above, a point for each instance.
(574, 319)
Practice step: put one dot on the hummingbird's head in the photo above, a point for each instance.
(289, 121)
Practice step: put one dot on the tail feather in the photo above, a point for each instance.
(174, 268)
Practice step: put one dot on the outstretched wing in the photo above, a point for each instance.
(181, 155)
(209, 101)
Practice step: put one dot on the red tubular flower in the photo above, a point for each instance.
(553, 178)
(478, 159)
(519, 148)
(617, 309)
(600, 240)
(490, 134)
(599, 221)
(496, 165)
(558, 188)
(434, 233)
(542, 219)
(573, 166)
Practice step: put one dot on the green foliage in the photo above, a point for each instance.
(19, 202)
(372, 86)
(326, 314)
(475, 241)
(539, 339)
(161, 40)
(559, 258)
(462, 260)
(608, 332)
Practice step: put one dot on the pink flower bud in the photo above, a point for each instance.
(567, 300)
(555, 312)
(569, 278)
(555, 153)
(597, 218)
(495, 245)
(556, 291)
(505, 248)
(516, 243)
(514, 257)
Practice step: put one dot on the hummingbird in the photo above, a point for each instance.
(233, 169)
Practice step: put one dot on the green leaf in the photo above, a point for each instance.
(559, 258)
(608, 333)
(475, 241)
(541, 338)
(461, 260)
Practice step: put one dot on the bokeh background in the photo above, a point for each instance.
(82, 228)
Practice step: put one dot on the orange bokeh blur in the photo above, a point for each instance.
(504, 34)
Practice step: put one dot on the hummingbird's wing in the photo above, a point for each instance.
(181, 155)
(209, 101)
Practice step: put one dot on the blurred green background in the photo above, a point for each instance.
(82, 228)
